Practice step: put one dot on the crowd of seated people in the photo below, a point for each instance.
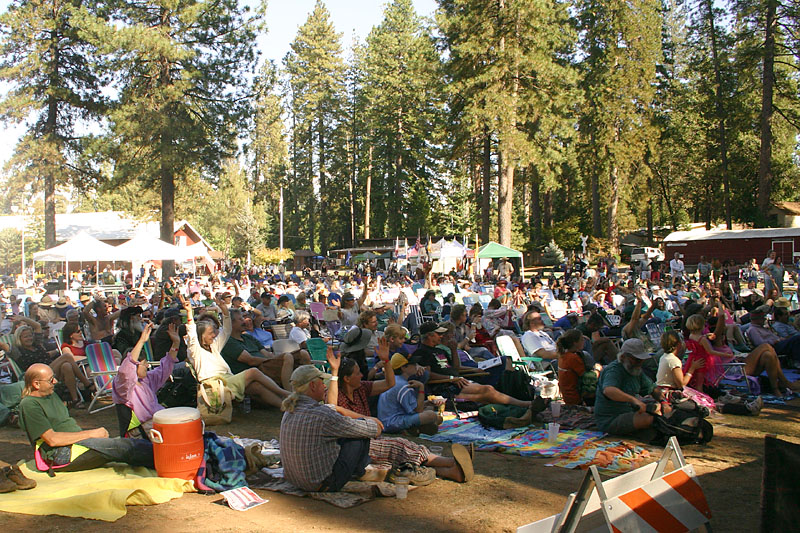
(401, 345)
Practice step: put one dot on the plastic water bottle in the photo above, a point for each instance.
(246, 405)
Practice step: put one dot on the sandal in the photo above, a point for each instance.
(464, 461)
(76, 404)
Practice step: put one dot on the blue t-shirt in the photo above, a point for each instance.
(261, 335)
(395, 403)
(615, 375)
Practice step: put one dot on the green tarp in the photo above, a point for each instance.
(493, 250)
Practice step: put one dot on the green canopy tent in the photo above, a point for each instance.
(493, 250)
(366, 256)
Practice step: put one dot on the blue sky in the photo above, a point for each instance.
(352, 18)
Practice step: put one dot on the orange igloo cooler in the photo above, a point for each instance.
(177, 437)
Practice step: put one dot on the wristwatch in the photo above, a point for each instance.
(451, 378)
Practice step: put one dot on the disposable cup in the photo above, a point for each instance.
(401, 488)
(552, 431)
(555, 409)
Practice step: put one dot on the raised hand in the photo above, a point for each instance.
(334, 359)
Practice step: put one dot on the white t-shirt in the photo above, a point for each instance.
(664, 376)
(533, 341)
(676, 267)
(299, 335)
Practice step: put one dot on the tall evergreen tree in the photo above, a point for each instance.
(54, 84)
(316, 74)
(508, 72)
(181, 68)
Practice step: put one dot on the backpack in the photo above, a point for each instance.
(181, 391)
(687, 422)
(517, 384)
(215, 402)
(494, 415)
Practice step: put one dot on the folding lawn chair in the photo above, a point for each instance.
(102, 369)
(317, 349)
(484, 299)
(317, 310)
(507, 347)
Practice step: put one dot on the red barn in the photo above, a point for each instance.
(739, 245)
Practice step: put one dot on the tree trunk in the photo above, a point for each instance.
(650, 239)
(167, 217)
(723, 138)
(368, 194)
(487, 186)
(536, 208)
(323, 186)
(547, 212)
(613, 229)
(597, 220)
(505, 200)
(51, 137)
(526, 201)
(311, 194)
(765, 156)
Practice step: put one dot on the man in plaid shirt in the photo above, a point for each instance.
(321, 450)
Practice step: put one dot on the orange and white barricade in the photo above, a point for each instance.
(645, 500)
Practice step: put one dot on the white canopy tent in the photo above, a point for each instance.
(82, 247)
(145, 247)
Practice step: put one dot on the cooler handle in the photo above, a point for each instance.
(155, 436)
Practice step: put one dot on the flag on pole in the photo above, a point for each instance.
(347, 259)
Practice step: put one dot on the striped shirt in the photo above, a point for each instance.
(308, 439)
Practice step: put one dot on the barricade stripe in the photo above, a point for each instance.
(671, 500)
(622, 519)
(687, 487)
(652, 512)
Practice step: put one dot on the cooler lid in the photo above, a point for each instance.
(176, 415)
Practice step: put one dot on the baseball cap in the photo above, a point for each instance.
(305, 374)
(635, 347)
(429, 327)
(399, 360)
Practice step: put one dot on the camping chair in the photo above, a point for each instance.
(317, 310)
(507, 347)
(102, 368)
(281, 331)
(468, 301)
(484, 299)
(148, 353)
(55, 333)
(129, 425)
(317, 349)
(613, 320)
(556, 309)
(8, 339)
(9, 370)
(332, 322)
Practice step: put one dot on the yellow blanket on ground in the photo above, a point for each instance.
(99, 494)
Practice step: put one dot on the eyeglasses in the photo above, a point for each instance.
(51, 380)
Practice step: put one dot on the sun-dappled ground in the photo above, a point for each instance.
(508, 490)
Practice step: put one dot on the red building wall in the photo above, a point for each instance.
(740, 250)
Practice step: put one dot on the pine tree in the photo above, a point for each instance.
(552, 254)
(622, 52)
(55, 82)
(403, 103)
(316, 75)
(509, 74)
(181, 67)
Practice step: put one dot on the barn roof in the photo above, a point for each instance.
(703, 235)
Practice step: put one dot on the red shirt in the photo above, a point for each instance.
(359, 403)
(570, 369)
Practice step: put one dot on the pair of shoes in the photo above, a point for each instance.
(755, 406)
(416, 474)
(464, 461)
(11, 479)
(729, 398)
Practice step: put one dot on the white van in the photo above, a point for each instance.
(654, 254)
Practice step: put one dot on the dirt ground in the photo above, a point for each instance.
(508, 491)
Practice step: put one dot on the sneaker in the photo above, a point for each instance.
(14, 474)
(729, 398)
(755, 406)
(416, 475)
(6, 485)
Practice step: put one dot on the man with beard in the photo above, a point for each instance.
(618, 409)
(129, 329)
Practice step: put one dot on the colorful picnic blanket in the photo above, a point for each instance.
(610, 457)
(519, 441)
